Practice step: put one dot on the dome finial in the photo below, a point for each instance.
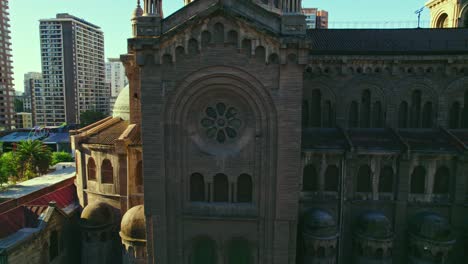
(138, 10)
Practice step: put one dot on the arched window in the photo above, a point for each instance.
(197, 188)
(247, 47)
(204, 252)
(139, 174)
(310, 179)
(273, 59)
(403, 115)
(454, 116)
(427, 115)
(443, 21)
(305, 113)
(192, 47)
(221, 188)
(219, 33)
(205, 39)
(91, 167)
(328, 115)
(364, 180)
(418, 180)
(53, 245)
(386, 180)
(353, 115)
(442, 181)
(232, 37)
(260, 54)
(107, 172)
(316, 108)
(365, 108)
(332, 178)
(244, 189)
(415, 109)
(377, 115)
(239, 252)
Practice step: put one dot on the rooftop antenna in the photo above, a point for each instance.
(418, 12)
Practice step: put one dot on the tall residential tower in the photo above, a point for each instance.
(72, 52)
(115, 78)
(7, 114)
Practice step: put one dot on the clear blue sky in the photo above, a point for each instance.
(113, 16)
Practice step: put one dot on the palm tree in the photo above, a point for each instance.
(34, 158)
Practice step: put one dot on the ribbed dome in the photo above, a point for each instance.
(122, 104)
(319, 222)
(374, 225)
(133, 226)
(431, 226)
(97, 215)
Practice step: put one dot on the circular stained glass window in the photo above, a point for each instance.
(221, 122)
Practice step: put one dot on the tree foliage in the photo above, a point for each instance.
(34, 158)
(9, 167)
(58, 157)
(89, 117)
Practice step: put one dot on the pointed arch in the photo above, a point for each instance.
(310, 179)
(418, 180)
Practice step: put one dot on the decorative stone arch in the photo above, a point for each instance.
(438, 16)
(327, 104)
(463, 17)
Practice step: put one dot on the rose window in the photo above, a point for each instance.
(221, 122)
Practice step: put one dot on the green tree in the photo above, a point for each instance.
(62, 156)
(9, 167)
(89, 117)
(34, 158)
(19, 107)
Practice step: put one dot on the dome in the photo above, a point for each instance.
(430, 226)
(96, 215)
(122, 104)
(133, 226)
(319, 222)
(374, 225)
(138, 12)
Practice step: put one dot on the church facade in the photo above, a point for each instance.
(244, 138)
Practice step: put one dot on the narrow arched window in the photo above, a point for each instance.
(364, 180)
(305, 113)
(273, 59)
(316, 108)
(454, 116)
(107, 172)
(219, 33)
(427, 115)
(386, 180)
(239, 252)
(221, 188)
(443, 21)
(197, 188)
(332, 178)
(204, 252)
(403, 115)
(247, 46)
(244, 189)
(53, 245)
(205, 39)
(328, 115)
(377, 115)
(91, 168)
(233, 37)
(310, 179)
(260, 54)
(353, 121)
(442, 181)
(192, 47)
(365, 108)
(415, 109)
(139, 174)
(418, 180)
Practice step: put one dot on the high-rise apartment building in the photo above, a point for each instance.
(7, 115)
(315, 18)
(115, 79)
(72, 52)
(32, 81)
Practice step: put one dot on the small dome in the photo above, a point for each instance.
(138, 12)
(96, 215)
(133, 226)
(374, 225)
(319, 222)
(431, 226)
(122, 104)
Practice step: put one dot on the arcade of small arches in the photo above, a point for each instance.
(418, 111)
(218, 189)
(106, 172)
